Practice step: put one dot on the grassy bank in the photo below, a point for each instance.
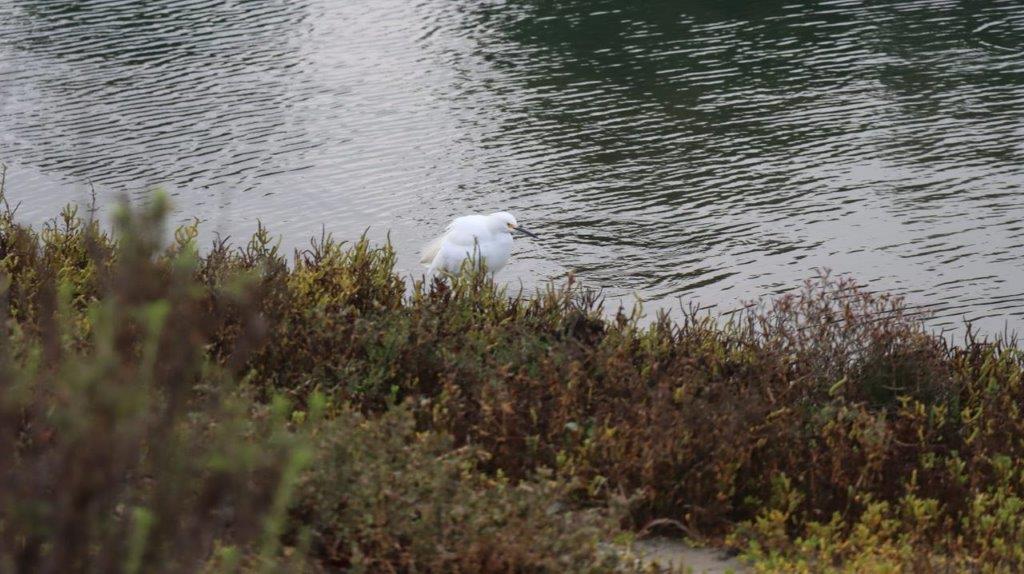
(241, 410)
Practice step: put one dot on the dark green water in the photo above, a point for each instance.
(714, 151)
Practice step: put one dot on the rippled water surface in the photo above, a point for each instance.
(680, 150)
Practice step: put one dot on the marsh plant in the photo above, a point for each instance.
(171, 408)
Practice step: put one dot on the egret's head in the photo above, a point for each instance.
(506, 221)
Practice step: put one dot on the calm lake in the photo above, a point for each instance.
(713, 151)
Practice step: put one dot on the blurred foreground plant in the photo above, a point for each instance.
(115, 460)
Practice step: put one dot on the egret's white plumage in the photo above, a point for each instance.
(486, 236)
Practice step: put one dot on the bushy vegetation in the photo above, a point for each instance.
(237, 410)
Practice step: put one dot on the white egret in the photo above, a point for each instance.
(487, 236)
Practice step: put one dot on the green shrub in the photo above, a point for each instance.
(386, 498)
(464, 428)
(146, 429)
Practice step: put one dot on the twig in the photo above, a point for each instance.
(92, 202)
(669, 522)
(3, 186)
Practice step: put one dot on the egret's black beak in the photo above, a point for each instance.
(524, 232)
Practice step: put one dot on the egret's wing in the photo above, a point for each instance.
(461, 232)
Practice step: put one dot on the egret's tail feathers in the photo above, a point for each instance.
(431, 250)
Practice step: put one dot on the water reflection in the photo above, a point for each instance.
(714, 150)
(186, 94)
(726, 143)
